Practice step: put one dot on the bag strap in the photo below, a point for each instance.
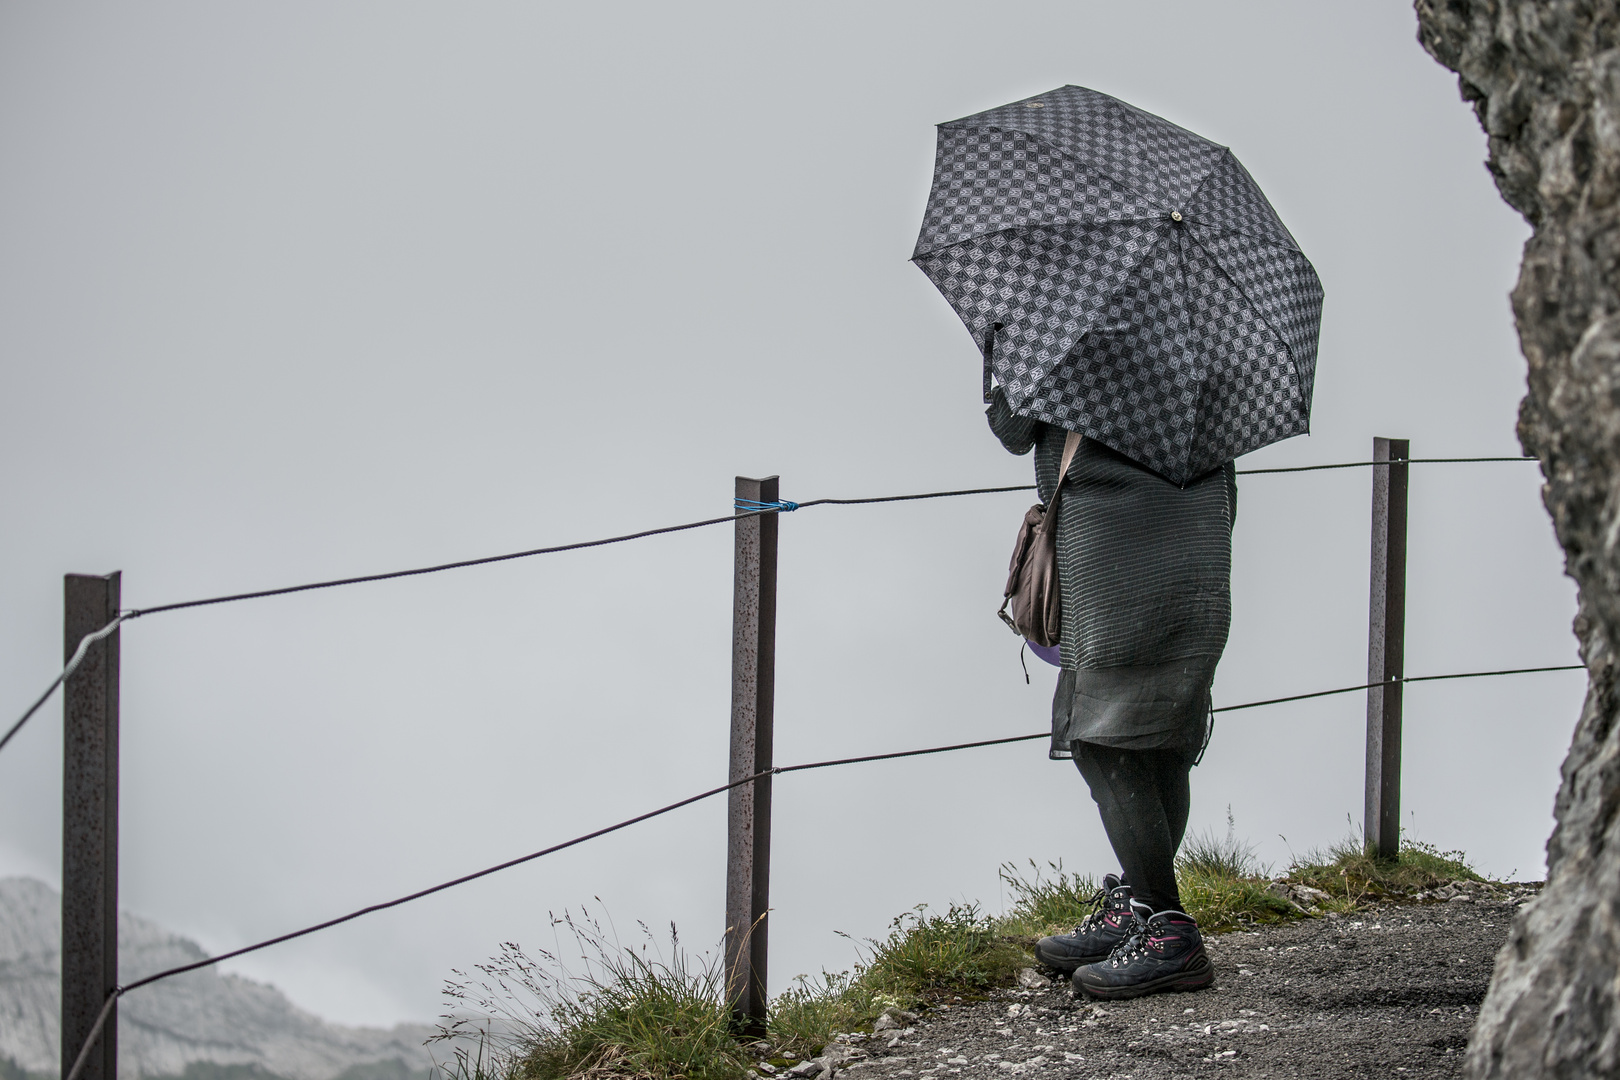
(1071, 443)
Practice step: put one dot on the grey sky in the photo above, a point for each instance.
(301, 290)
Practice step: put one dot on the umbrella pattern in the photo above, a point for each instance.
(1124, 278)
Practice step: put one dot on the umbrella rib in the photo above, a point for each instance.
(1159, 238)
(1139, 117)
(1186, 318)
(1150, 219)
(1192, 219)
(1259, 313)
(1063, 153)
(1078, 338)
(1292, 249)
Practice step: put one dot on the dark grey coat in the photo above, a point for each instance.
(1145, 576)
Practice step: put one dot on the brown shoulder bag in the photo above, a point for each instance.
(1032, 582)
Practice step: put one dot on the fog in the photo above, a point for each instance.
(298, 291)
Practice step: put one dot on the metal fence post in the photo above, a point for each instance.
(90, 826)
(1386, 646)
(753, 696)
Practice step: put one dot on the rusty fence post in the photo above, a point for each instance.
(90, 826)
(1386, 646)
(753, 695)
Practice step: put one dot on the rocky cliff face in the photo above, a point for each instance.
(1544, 79)
(199, 1017)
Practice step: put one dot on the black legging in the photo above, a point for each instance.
(1144, 797)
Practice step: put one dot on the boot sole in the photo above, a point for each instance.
(1197, 977)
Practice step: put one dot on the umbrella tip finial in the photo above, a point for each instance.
(1175, 215)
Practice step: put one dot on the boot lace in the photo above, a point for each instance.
(1132, 946)
(1097, 901)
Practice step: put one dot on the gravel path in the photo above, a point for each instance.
(1392, 992)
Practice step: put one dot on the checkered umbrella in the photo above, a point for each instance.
(1124, 278)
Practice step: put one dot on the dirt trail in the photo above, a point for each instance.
(1392, 992)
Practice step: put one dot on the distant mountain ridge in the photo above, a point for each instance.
(201, 1026)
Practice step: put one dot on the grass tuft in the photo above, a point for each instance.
(1222, 884)
(630, 1014)
(1207, 854)
(1353, 875)
(924, 959)
(1046, 902)
(805, 1015)
(925, 955)
(1223, 902)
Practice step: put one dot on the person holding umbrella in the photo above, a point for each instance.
(1145, 318)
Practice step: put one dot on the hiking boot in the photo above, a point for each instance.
(1164, 953)
(1094, 939)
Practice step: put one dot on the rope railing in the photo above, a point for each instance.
(1396, 461)
(182, 969)
(67, 672)
(1399, 682)
(743, 510)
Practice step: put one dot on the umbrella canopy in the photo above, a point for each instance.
(1124, 278)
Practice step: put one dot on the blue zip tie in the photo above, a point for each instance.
(750, 506)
